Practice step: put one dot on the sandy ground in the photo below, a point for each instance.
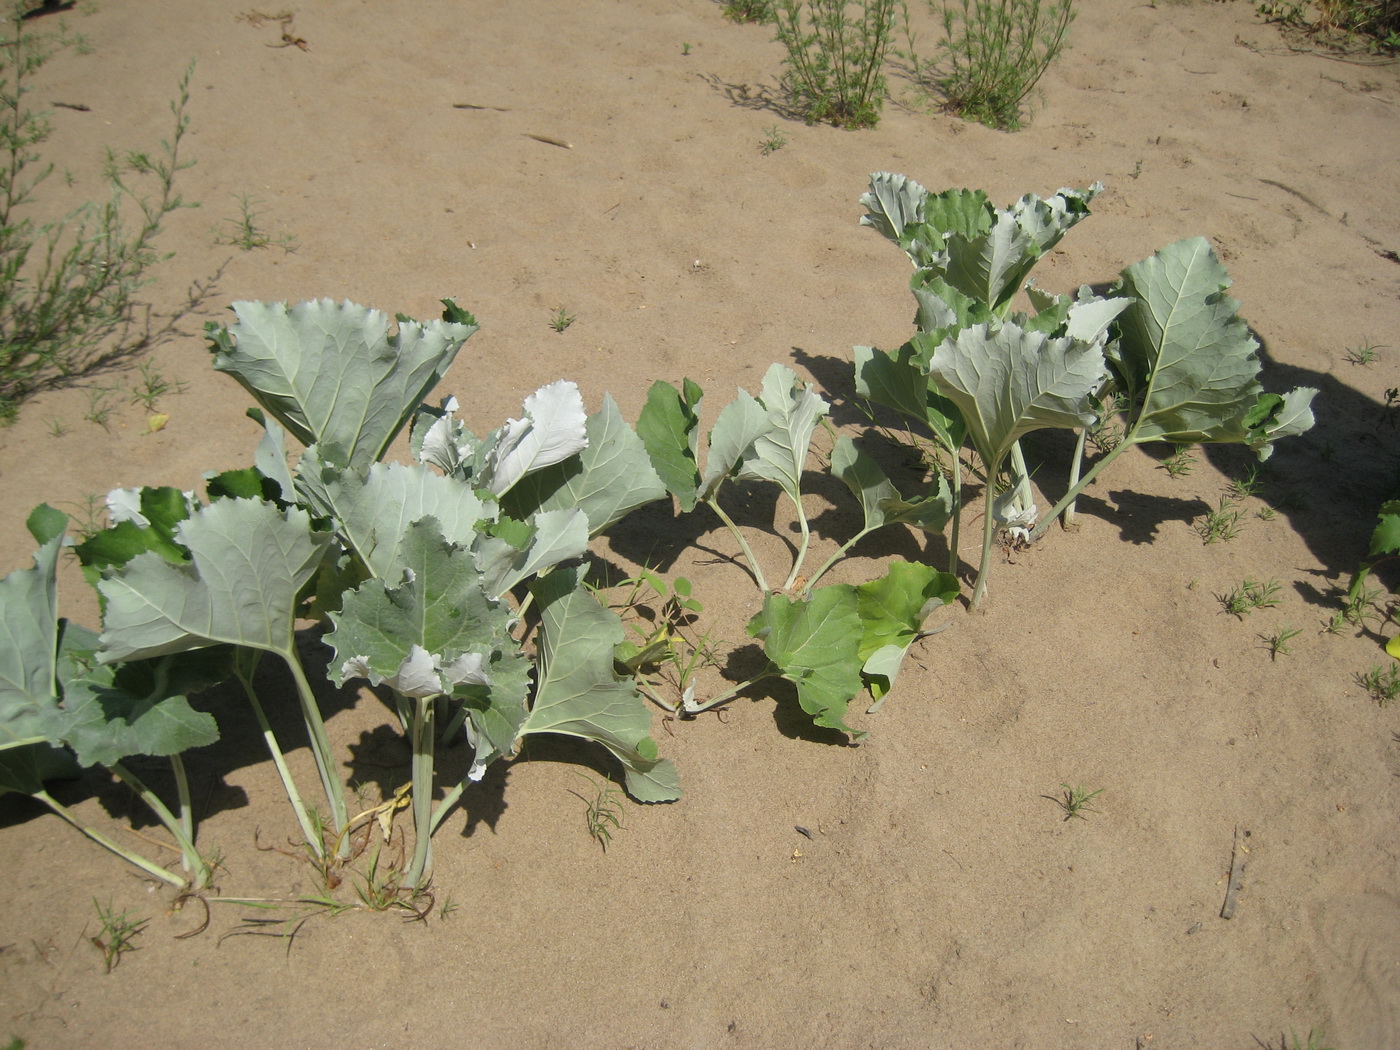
(942, 901)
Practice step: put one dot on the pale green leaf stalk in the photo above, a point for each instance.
(1007, 383)
(428, 633)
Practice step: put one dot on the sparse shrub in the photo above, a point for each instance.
(993, 55)
(68, 285)
(835, 64)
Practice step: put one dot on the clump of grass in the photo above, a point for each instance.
(1180, 463)
(1248, 596)
(603, 814)
(1075, 800)
(118, 930)
(153, 387)
(1278, 642)
(561, 319)
(1223, 523)
(245, 232)
(993, 55)
(1249, 484)
(1371, 25)
(1365, 354)
(1382, 683)
(68, 285)
(835, 62)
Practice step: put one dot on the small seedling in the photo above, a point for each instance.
(1180, 463)
(1382, 683)
(447, 907)
(685, 49)
(1312, 1042)
(1107, 432)
(1250, 595)
(773, 140)
(1075, 801)
(56, 428)
(561, 319)
(1364, 354)
(1265, 514)
(245, 233)
(1358, 605)
(99, 409)
(119, 929)
(603, 813)
(1278, 642)
(1248, 485)
(153, 387)
(1222, 524)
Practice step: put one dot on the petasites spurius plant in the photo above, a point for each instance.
(1165, 347)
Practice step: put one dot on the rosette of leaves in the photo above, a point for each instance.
(1166, 345)
(426, 555)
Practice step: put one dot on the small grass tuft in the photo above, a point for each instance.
(1180, 463)
(1248, 596)
(246, 234)
(603, 815)
(1075, 801)
(1365, 354)
(773, 140)
(749, 11)
(1278, 642)
(1383, 683)
(1223, 523)
(119, 929)
(561, 319)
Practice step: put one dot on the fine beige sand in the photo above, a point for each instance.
(941, 901)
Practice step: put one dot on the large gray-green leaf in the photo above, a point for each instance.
(29, 638)
(1183, 352)
(900, 380)
(990, 264)
(1277, 416)
(669, 427)
(428, 632)
(815, 644)
(29, 645)
(609, 478)
(1010, 382)
(139, 708)
(374, 510)
(894, 203)
(248, 561)
(497, 711)
(780, 453)
(879, 499)
(551, 537)
(331, 373)
(892, 611)
(741, 423)
(579, 692)
(552, 428)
